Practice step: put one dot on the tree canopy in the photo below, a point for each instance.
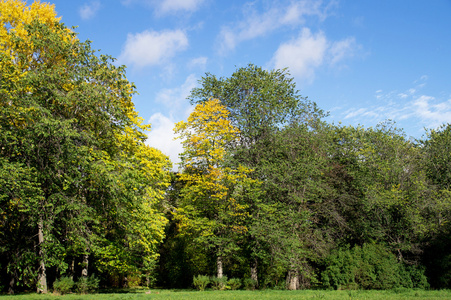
(267, 189)
(85, 188)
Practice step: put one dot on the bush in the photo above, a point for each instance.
(250, 284)
(218, 283)
(133, 280)
(63, 285)
(416, 276)
(86, 285)
(234, 283)
(369, 267)
(200, 282)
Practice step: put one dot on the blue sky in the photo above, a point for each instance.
(363, 61)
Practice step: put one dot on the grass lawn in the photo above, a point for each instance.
(242, 295)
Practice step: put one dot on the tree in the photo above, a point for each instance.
(90, 187)
(436, 157)
(287, 221)
(382, 193)
(210, 205)
(262, 104)
(381, 178)
(259, 101)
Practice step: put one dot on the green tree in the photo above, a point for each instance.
(294, 166)
(436, 156)
(89, 186)
(379, 183)
(261, 103)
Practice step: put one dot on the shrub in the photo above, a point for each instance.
(200, 282)
(416, 275)
(250, 284)
(63, 285)
(218, 283)
(86, 285)
(234, 283)
(371, 266)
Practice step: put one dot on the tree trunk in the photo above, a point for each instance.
(72, 268)
(42, 277)
(254, 274)
(219, 266)
(84, 270)
(11, 285)
(293, 279)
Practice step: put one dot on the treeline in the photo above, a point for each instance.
(272, 193)
(268, 192)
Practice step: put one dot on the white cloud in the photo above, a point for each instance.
(88, 11)
(432, 114)
(342, 49)
(302, 55)
(162, 137)
(168, 6)
(152, 47)
(308, 51)
(199, 62)
(296, 11)
(256, 24)
(411, 106)
(176, 98)
(354, 113)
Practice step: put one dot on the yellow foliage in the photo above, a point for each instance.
(103, 85)
(206, 134)
(210, 185)
(15, 15)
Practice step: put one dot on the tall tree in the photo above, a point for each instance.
(259, 101)
(261, 104)
(436, 159)
(294, 166)
(210, 205)
(69, 126)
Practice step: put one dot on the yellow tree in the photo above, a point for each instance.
(69, 127)
(211, 208)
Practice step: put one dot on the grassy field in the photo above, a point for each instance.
(245, 295)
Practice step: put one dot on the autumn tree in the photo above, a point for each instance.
(85, 185)
(211, 207)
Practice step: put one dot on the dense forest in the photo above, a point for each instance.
(268, 191)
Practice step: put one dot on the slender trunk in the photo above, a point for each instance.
(11, 285)
(254, 275)
(293, 280)
(84, 270)
(219, 266)
(72, 268)
(42, 279)
(293, 277)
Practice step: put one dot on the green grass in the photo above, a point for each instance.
(244, 295)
